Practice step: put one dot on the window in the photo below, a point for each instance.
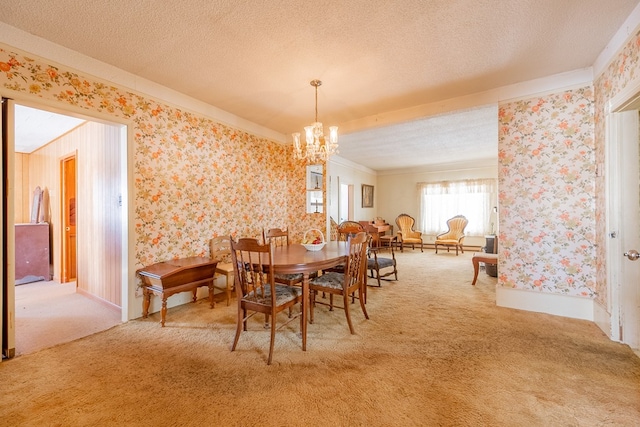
(474, 198)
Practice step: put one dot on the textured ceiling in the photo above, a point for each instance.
(35, 128)
(255, 59)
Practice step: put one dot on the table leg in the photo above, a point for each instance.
(305, 304)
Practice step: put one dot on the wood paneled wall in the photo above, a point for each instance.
(22, 190)
(98, 208)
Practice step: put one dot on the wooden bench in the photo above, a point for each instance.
(479, 257)
(171, 277)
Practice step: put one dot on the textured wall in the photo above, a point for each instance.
(194, 178)
(547, 194)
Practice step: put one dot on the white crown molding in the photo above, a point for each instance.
(616, 43)
(15, 38)
(445, 167)
(549, 84)
(341, 161)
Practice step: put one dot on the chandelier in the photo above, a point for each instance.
(317, 147)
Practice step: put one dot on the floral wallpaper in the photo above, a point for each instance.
(547, 194)
(194, 178)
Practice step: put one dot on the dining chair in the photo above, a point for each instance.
(344, 284)
(220, 249)
(376, 262)
(256, 289)
(348, 228)
(279, 237)
(454, 236)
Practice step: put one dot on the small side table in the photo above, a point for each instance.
(171, 277)
(388, 240)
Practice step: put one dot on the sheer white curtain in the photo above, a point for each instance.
(473, 198)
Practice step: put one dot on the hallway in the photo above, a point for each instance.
(49, 313)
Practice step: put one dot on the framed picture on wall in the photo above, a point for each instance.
(367, 196)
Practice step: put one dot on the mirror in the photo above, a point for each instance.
(314, 189)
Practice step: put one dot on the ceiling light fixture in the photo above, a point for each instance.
(317, 148)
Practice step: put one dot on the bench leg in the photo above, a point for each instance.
(212, 303)
(163, 311)
(146, 301)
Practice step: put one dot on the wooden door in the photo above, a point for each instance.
(69, 218)
(630, 230)
(623, 185)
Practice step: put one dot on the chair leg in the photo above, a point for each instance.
(348, 312)
(362, 301)
(239, 328)
(273, 338)
(312, 303)
(230, 278)
(476, 266)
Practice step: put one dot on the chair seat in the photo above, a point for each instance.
(283, 294)
(446, 241)
(382, 262)
(330, 279)
(224, 268)
(289, 277)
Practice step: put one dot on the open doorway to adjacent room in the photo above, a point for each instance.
(79, 166)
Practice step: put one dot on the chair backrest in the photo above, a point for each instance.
(456, 225)
(220, 248)
(356, 265)
(276, 236)
(349, 228)
(253, 268)
(374, 233)
(405, 222)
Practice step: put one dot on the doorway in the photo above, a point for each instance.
(68, 187)
(97, 209)
(345, 204)
(623, 233)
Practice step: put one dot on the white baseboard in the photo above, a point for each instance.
(603, 319)
(541, 302)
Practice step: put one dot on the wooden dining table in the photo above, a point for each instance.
(295, 258)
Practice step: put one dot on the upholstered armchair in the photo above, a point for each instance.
(406, 233)
(454, 236)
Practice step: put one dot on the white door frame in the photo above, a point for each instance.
(622, 125)
(128, 262)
